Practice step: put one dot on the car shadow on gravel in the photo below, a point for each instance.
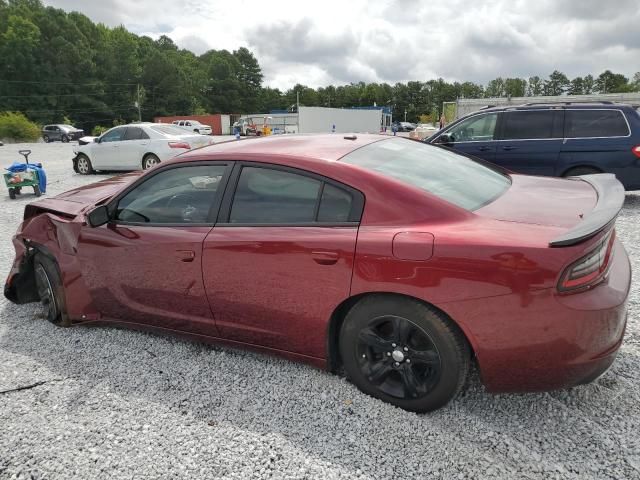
(325, 415)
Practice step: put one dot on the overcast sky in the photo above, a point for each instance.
(335, 42)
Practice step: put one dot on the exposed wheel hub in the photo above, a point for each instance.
(397, 356)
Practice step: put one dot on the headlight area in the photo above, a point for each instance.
(589, 270)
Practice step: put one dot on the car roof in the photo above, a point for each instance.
(551, 105)
(322, 147)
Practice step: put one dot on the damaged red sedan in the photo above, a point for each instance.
(401, 262)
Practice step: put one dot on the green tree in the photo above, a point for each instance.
(609, 82)
(535, 86)
(557, 84)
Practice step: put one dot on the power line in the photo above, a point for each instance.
(106, 108)
(63, 94)
(66, 83)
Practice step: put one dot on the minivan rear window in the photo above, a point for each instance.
(595, 123)
(443, 173)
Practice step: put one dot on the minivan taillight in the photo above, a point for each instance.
(589, 270)
(179, 145)
(636, 151)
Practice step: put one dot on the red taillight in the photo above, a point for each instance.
(184, 145)
(636, 151)
(589, 270)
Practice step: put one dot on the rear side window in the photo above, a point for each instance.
(135, 133)
(269, 196)
(521, 125)
(595, 123)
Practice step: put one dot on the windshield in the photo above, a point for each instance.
(170, 130)
(452, 177)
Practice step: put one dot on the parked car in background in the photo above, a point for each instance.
(61, 132)
(401, 262)
(559, 140)
(194, 126)
(134, 147)
(404, 126)
(248, 126)
(422, 131)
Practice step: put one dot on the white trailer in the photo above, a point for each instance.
(315, 120)
(339, 120)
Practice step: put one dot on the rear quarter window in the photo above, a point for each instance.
(595, 123)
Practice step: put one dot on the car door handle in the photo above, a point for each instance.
(509, 147)
(484, 149)
(186, 255)
(324, 257)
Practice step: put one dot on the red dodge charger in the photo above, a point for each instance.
(399, 261)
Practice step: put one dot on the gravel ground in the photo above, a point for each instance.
(93, 402)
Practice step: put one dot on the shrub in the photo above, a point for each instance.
(15, 126)
(98, 130)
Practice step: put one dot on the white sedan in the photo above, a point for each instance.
(134, 147)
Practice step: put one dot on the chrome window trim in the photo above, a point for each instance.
(552, 138)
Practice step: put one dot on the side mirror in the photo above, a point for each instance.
(444, 139)
(96, 140)
(98, 216)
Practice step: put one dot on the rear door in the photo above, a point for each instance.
(132, 148)
(474, 135)
(530, 141)
(600, 139)
(280, 257)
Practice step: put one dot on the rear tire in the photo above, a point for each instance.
(83, 165)
(404, 352)
(65, 139)
(12, 193)
(150, 161)
(45, 138)
(576, 171)
(50, 290)
(36, 190)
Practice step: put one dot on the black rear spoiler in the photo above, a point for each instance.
(610, 200)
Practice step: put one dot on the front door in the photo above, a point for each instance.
(145, 266)
(474, 136)
(105, 154)
(280, 258)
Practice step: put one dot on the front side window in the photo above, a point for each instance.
(595, 123)
(528, 125)
(181, 195)
(443, 173)
(479, 128)
(114, 135)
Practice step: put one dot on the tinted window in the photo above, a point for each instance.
(474, 129)
(441, 172)
(114, 135)
(595, 123)
(273, 196)
(528, 125)
(178, 195)
(335, 205)
(135, 133)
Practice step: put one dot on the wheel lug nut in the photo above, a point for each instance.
(393, 345)
(408, 360)
(406, 349)
(364, 355)
(388, 354)
(397, 364)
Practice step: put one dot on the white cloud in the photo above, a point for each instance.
(340, 41)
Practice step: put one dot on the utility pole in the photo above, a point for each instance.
(138, 104)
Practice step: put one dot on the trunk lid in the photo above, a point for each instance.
(580, 207)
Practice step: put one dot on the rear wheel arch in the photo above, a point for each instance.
(334, 362)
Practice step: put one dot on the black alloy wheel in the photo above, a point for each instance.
(404, 352)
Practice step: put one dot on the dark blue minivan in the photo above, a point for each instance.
(560, 140)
